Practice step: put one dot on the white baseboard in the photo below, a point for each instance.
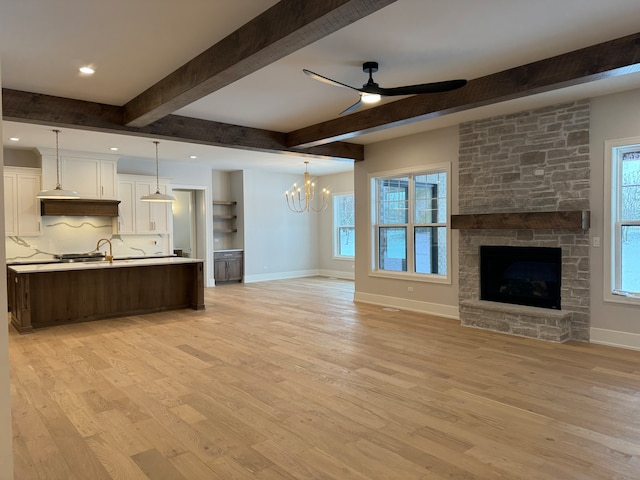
(266, 277)
(337, 274)
(446, 311)
(615, 338)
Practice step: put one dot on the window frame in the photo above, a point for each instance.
(612, 224)
(373, 237)
(336, 227)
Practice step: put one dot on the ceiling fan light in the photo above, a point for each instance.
(370, 98)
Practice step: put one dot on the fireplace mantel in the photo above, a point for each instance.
(569, 220)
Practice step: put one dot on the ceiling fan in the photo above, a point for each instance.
(371, 91)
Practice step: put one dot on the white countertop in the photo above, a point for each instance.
(141, 262)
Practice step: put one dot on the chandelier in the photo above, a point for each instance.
(301, 201)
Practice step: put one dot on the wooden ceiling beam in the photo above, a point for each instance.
(608, 59)
(279, 31)
(26, 107)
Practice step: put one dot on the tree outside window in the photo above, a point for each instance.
(344, 240)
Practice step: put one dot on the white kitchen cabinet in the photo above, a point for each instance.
(151, 217)
(21, 207)
(92, 175)
(126, 208)
(136, 216)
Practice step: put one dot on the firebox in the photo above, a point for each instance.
(521, 275)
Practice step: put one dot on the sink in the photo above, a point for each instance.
(80, 257)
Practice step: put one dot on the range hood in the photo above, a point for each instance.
(79, 207)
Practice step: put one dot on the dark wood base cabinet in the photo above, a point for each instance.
(42, 299)
(227, 267)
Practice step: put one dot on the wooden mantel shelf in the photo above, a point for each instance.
(569, 220)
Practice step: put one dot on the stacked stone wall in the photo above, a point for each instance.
(532, 161)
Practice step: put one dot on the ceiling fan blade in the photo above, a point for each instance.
(435, 87)
(372, 88)
(326, 80)
(352, 108)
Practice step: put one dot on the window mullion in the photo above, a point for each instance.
(411, 263)
(617, 251)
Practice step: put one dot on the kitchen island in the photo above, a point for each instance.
(57, 293)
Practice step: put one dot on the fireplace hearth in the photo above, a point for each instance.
(521, 275)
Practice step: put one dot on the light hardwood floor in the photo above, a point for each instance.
(292, 380)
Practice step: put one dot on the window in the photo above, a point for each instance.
(344, 239)
(623, 164)
(410, 224)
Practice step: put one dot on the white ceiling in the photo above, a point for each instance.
(133, 44)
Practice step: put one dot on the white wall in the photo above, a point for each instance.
(6, 455)
(236, 186)
(413, 151)
(278, 243)
(21, 158)
(187, 172)
(612, 117)
(338, 183)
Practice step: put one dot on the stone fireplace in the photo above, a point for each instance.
(513, 168)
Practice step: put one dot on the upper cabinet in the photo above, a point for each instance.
(151, 217)
(21, 207)
(136, 216)
(92, 175)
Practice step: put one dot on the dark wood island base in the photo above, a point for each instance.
(47, 297)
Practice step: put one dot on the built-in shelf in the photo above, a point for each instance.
(566, 220)
(225, 217)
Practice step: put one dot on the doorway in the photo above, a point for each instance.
(185, 224)
(190, 226)
(189, 223)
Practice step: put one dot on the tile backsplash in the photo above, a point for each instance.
(80, 235)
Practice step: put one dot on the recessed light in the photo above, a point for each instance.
(192, 156)
(114, 149)
(14, 139)
(87, 70)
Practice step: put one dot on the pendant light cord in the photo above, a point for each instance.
(157, 169)
(58, 184)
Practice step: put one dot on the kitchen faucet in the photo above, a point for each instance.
(110, 256)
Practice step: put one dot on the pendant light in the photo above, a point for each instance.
(58, 192)
(157, 197)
